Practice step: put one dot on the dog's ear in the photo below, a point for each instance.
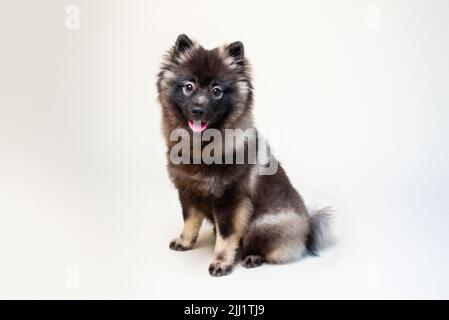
(183, 43)
(236, 51)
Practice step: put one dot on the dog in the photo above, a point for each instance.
(257, 217)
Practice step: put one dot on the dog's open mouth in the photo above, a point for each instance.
(197, 126)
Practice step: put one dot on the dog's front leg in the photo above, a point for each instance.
(192, 224)
(230, 223)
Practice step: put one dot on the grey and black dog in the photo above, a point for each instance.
(259, 218)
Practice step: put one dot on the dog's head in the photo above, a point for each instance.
(201, 89)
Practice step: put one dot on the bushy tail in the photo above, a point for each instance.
(320, 230)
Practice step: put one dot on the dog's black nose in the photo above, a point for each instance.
(197, 112)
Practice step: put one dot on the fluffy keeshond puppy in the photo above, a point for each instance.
(256, 217)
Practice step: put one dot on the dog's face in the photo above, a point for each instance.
(201, 89)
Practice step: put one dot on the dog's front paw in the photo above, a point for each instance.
(178, 245)
(220, 268)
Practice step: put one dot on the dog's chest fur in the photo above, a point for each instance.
(207, 181)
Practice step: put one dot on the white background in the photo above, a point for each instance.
(352, 94)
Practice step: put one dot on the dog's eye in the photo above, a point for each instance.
(188, 88)
(217, 92)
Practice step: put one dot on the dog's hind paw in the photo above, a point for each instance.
(252, 261)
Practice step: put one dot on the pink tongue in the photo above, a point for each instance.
(197, 126)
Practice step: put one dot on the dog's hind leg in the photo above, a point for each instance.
(277, 237)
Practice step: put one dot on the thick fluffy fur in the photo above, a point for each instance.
(262, 217)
